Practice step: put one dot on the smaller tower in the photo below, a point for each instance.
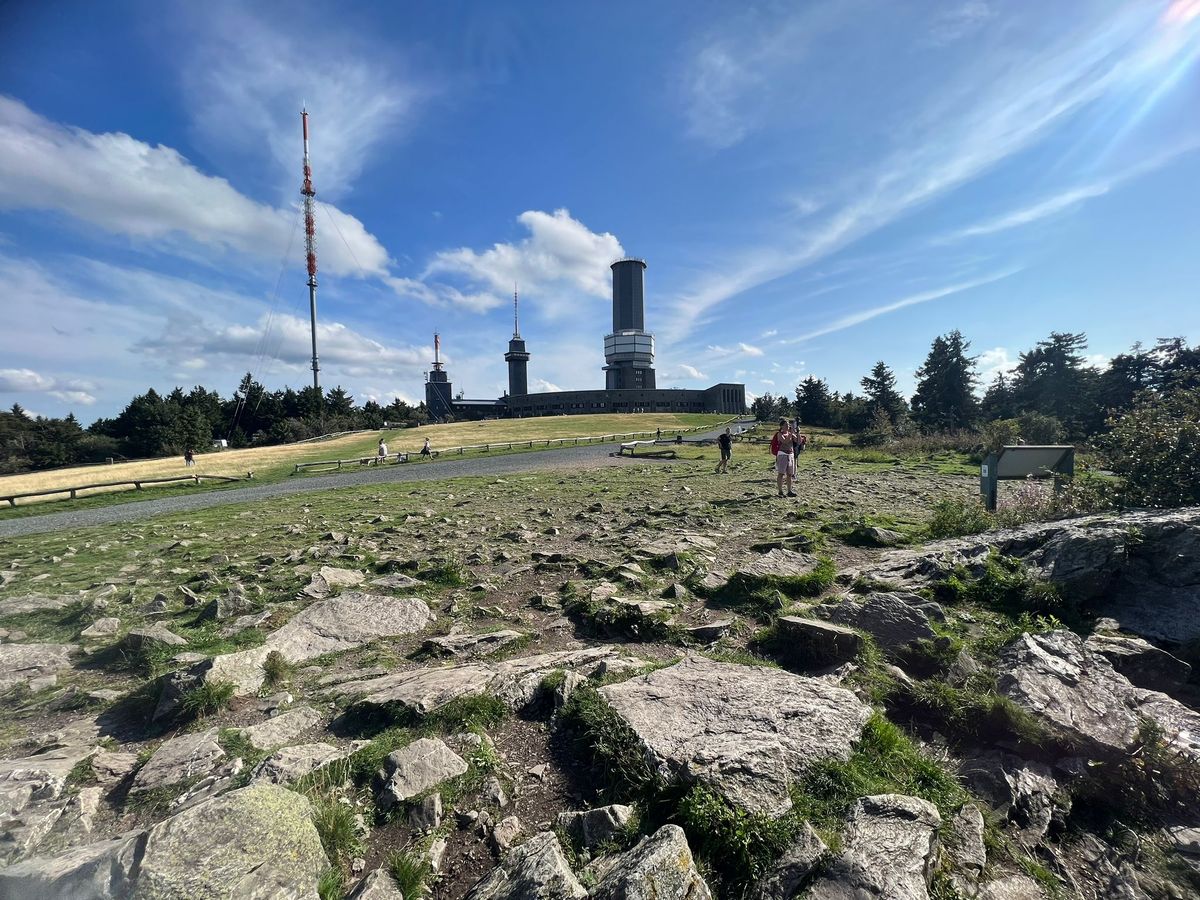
(438, 389)
(517, 358)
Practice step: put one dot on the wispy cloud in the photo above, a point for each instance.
(849, 321)
(956, 136)
(249, 69)
(742, 349)
(1035, 212)
(27, 381)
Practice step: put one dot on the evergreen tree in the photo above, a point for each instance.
(1052, 379)
(814, 404)
(999, 401)
(1127, 375)
(880, 388)
(945, 395)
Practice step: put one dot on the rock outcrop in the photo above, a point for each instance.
(1079, 696)
(747, 732)
(537, 870)
(660, 867)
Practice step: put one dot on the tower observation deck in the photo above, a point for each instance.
(629, 349)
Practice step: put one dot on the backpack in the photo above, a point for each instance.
(774, 444)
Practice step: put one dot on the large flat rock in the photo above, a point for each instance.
(1078, 694)
(348, 621)
(777, 563)
(537, 870)
(291, 763)
(30, 663)
(258, 842)
(515, 681)
(746, 731)
(283, 728)
(895, 620)
(423, 764)
(891, 844)
(660, 867)
(178, 760)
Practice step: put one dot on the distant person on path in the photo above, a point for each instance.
(783, 444)
(425, 451)
(381, 455)
(725, 442)
(658, 435)
(189, 458)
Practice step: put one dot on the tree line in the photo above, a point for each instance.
(154, 424)
(1051, 394)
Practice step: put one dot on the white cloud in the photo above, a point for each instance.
(13, 380)
(541, 384)
(152, 194)
(561, 255)
(338, 346)
(1000, 104)
(683, 371)
(1036, 211)
(992, 362)
(27, 381)
(245, 69)
(767, 381)
(849, 321)
(741, 349)
(771, 333)
(1096, 360)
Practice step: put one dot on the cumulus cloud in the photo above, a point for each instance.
(992, 362)
(153, 194)
(338, 346)
(560, 257)
(27, 381)
(683, 370)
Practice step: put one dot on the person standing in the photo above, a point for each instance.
(725, 442)
(381, 454)
(783, 445)
(189, 458)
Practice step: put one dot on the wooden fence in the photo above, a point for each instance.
(136, 483)
(362, 461)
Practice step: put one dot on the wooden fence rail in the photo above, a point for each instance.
(136, 482)
(501, 445)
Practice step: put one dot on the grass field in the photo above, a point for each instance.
(274, 463)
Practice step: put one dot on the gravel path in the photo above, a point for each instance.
(537, 461)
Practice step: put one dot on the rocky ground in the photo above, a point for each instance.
(629, 681)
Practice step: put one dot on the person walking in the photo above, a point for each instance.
(725, 442)
(189, 458)
(783, 444)
(425, 451)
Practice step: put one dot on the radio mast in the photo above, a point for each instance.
(310, 251)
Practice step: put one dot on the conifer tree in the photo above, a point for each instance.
(945, 395)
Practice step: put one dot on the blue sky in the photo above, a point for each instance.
(815, 186)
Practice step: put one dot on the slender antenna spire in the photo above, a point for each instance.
(516, 327)
(310, 250)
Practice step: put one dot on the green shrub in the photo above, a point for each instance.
(332, 884)
(335, 825)
(207, 698)
(410, 871)
(606, 744)
(1156, 448)
(1040, 429)
(737, 846)
(958, 517)
(276, 669)
(1000, 433)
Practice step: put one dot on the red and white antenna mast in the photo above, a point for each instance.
(310, 250)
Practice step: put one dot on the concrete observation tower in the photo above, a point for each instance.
(629, 350)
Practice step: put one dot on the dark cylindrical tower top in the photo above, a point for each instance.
(628, 295)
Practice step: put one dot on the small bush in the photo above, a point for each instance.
(276, 669)
(762, 596)
(335, 825)
(606, 744)
(332, 884)
(1156, 448)
(958, 517)
(449, 574)
(410, 871)
(737, 846)
(1000, 433)
(207, 698)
